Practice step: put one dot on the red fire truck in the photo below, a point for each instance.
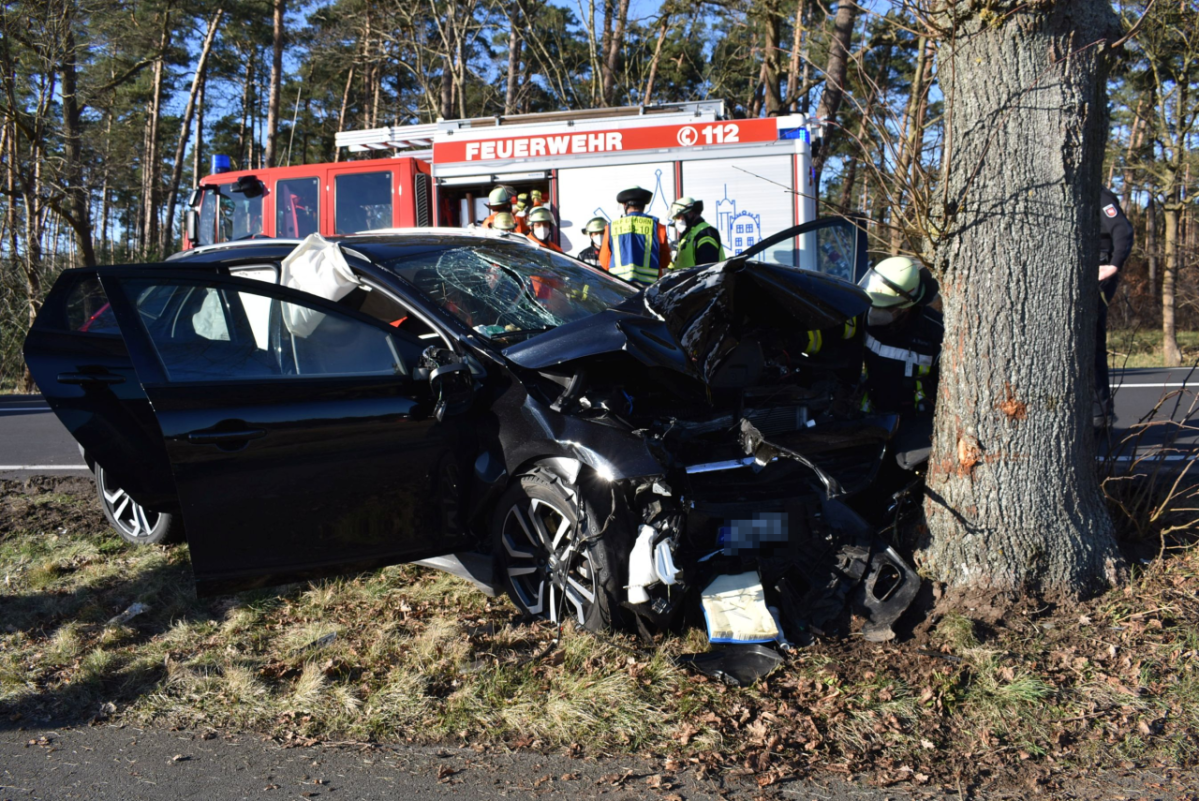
(754, 176)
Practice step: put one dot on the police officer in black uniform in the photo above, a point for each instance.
(1115, 243)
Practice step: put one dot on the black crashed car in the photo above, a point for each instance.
(598, 450)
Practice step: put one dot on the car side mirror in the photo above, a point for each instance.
(193, 199)
(191, 225)
(453, 389)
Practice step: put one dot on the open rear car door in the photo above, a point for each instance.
(299, 437)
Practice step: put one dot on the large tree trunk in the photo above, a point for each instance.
(185, 132)
(272, 109)
(1170, 214)
(834, 79)
(1013, 501)
(198, 150)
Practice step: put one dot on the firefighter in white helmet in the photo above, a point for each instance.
(699, 242)
(542, 223)
(903, 351)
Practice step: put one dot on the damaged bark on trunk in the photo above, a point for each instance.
(1013, 502)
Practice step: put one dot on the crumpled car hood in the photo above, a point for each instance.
(688, 321)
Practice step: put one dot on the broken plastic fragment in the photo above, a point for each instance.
(133, 611)
(737, 665)
(641, 566)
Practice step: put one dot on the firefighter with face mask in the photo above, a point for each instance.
(542, 223)
(634, 246)
(500, 202)
(699, 242)
(903, 352)
(594, 229)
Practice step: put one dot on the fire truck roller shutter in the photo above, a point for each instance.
(744, 207)
(586, 192)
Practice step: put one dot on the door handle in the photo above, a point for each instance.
(92, 379)
(224, 437)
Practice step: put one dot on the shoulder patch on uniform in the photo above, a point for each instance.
(1110, 210)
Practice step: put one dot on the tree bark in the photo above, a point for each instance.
(614, 44)
(793, 67)
(834, 78)
(1151, 243)
(663, 28)
(78, 203)
(1171, 211)
(152, 167)
(1013, 502)
(185, 132)
(198, 150)
(513, 60)
(773, 77)
(272, 112)
(912, 138)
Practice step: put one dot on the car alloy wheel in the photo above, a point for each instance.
(547, 570)
(135, 523)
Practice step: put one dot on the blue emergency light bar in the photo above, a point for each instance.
(221, 164)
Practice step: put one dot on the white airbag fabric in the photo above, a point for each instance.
(318, 267)
(735, 609)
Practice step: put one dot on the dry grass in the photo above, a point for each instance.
(1143, 348)
(409, 655)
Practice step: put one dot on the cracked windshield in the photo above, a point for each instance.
(504, 292)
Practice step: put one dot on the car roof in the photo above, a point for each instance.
(270, 248)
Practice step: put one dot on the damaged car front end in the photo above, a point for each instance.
(739, 440)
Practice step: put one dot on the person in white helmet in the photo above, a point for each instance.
(903, 351)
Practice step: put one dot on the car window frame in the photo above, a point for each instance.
(147, 362)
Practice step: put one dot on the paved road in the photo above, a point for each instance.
(34, 442)
(118, 763)
(128, 764)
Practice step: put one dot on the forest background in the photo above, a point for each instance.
(111, 109)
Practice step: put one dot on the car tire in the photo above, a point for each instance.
(541, 549)
(135, 523)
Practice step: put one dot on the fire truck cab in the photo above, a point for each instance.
(754, 176)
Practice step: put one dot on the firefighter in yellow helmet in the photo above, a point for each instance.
(500, 202)
(699, 242)
(635, 247)
(542, 223)
(595, 229)
(503, 221)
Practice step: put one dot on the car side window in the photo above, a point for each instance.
(87, 309)
(219, 333)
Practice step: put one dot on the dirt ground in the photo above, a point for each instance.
(1093, 699)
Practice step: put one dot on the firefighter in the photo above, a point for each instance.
(595, 229)
(521, 209)
(500, 202)
(542, 223)
(699, 242)
(504, 222)
(1115, 243)
(903, 352)
(640, 253)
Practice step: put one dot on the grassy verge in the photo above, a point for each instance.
(406, 654)
(1143, 348)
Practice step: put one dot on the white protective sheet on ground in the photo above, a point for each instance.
(735, 609)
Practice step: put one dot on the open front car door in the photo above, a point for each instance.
(301, 434)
